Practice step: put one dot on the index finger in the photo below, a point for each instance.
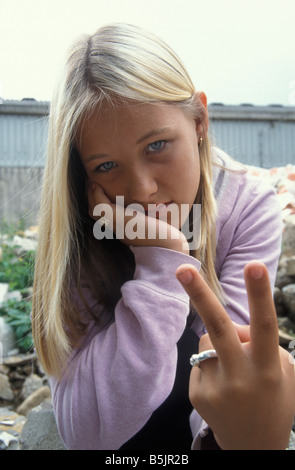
(220, 328)
(263, 318)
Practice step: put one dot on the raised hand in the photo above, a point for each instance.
(149, 231)
(247, 394)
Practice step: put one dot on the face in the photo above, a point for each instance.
(147, 153)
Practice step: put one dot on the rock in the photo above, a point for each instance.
(19, 360)
(22, 384)
(24, 244)
(288, 239)
(40, 430)
(277, 295)
(34, 400)
(11, 422)
(32, 232)
(31, 384)
(7, 338)
(27, 369)
(285, 338)
(3, 369)
(289, 300)
(286, 329)
(280, 310)
(8, 442)
(291, 445)
(278, 301)
(290, 266)
(282, 278)
(14, 295)
(3, 292)
(6, 394)
(16, 380)
(282, 262)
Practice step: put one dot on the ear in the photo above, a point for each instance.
(202, 119)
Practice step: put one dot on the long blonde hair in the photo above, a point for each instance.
(123, 61)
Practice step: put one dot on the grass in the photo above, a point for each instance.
(17, 271)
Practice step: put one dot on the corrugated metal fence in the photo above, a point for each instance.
(23, 131)
(254, 135)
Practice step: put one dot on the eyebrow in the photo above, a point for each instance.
(153, 133)
(96, 157)
(149, 134)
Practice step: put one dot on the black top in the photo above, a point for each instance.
(168, 428)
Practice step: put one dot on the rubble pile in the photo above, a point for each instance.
(26, 414)
(283, 181)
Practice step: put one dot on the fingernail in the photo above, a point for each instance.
(185, 277)
(256, 272)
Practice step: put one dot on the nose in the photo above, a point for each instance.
(142, 185)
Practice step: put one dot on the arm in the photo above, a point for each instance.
(123, 373)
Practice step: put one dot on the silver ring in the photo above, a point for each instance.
(196, 359)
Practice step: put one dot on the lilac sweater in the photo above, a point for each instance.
(121, 374)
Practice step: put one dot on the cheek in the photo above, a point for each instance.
(111, 189)
(190, 178)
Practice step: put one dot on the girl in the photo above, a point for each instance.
(112, 325)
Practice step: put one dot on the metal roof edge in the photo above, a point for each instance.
(251, 112)
(25, 107)
(216, 110)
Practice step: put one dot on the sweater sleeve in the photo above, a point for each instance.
(124, 372)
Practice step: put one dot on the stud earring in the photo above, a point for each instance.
(200, 141)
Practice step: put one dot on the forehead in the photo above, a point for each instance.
(130, 118)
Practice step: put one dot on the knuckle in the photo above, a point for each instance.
(202, 398)
(235, 390)
(271, 379)
(267, 323)
(217, 327)
(214, 398)
(236, 387)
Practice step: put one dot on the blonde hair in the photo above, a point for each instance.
(117, 61)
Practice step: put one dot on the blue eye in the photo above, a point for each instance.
(156, 146)
(104, 167)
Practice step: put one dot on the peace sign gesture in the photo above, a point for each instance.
(247, 394)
